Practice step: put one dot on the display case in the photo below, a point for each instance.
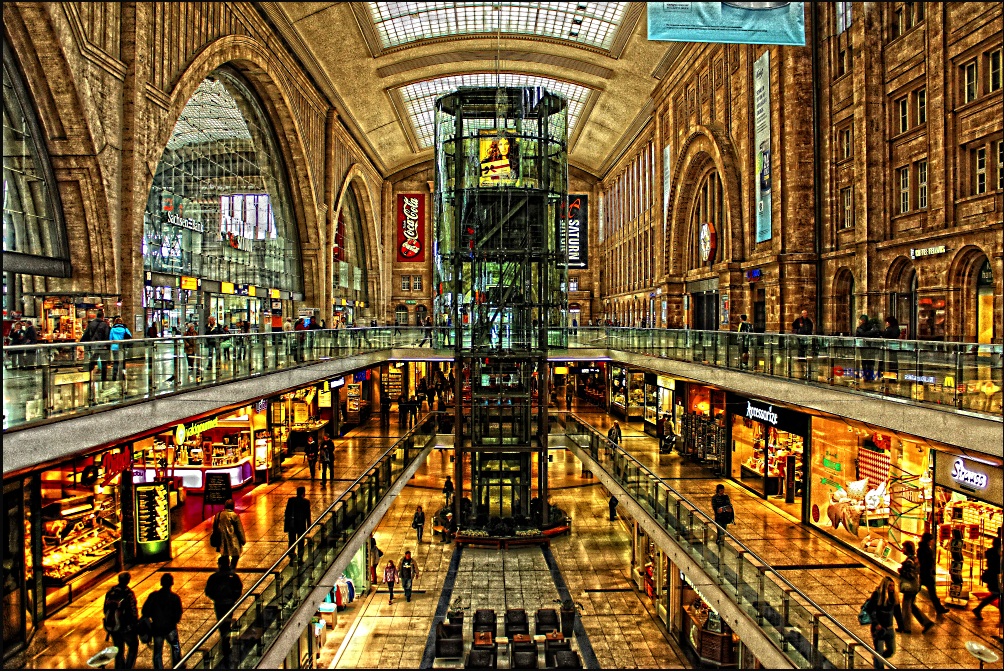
(394, 383)
(651, 405)
(79, 533)
(618, 391)
(636, 396)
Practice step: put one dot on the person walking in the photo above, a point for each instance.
(312, 451)
(231, 529)
(744, 343)
(448, 491)
(802, 326)
(224, 588)
(389, 578)
(909, 586)
(97, 331)
(189, 347)
(991, 577)
(612, 505)
(118, 332)
(883, 608)
(327, 458)
(213, 344)
(413, 404)
(297, 519)
(926, 566)
(120, 618)
(568, 395)
(163, 609)
(418, 522)
(427, 332)
(407, 572)
(614, 434)
(385, 403)
(721, 506)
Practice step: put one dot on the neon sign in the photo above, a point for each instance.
(968, 478)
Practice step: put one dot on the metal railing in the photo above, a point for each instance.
(244, 635)
(803, 631)
(52, 381)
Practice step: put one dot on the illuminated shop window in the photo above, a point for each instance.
(590, 23)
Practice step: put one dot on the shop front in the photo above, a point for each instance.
(659, 405)
(590, 383)
(769, 445)
(64, 318)
(967, 517)
(703, 426)
(627, 393)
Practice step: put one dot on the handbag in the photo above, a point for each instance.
(214, 538)
(864, 617)
(726, 513)
(143, 628)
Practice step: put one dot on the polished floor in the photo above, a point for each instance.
(619, 623)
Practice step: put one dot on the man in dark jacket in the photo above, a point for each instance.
(744, 344)
(163, 608)
(407, 571)
(926, 567)
(385, 403)
(802, 326)
(98, 331)
(721, 506)
(866, 329)
(121, 615)
(327, 458)
(297, 519)
(224, 588)
(312, 451)
(213, 344)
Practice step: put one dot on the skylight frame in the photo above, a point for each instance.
(418, 98)
(587, 24)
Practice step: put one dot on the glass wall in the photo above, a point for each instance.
(219, 208)
(349, 262)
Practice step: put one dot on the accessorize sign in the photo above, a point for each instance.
(730, 22)
(972, 477)
(762, 144)
(411, 227)
(772, 415)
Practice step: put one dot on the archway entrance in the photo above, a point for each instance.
(985, 303)
(903, 300)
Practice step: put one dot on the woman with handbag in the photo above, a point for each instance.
(228, 534)
(882, 609)
(909, 587)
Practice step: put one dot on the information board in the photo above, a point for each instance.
(218, 489)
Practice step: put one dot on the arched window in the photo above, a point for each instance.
(219, 207)
(34, 234)
(707, 221)
(401, 316)
(349, 253)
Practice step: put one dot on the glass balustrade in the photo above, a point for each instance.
(52, 381)
(244, 636)
(800, 628)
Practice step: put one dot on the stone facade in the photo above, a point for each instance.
(701, 126)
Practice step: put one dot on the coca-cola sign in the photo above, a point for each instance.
(411, 227)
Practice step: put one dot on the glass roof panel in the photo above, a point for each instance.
(590, 23)
(420, 97)
(211, 114)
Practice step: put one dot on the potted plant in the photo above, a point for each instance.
(567, 617)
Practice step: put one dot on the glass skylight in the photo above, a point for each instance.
(420, 97)
(211, 114)
(591, 23)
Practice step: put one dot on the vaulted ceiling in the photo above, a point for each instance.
(383, 63)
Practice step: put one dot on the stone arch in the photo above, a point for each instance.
(842, 312)
(356, 179)
(706, 146)
(898, 277)
(266, 77)
(963, 301)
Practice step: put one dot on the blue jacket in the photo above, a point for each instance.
(119, 332)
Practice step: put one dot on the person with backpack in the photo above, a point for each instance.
(118, 332)
(725, 515)
(327, 458)
(163, 610)
(418, 522)
(231, 533)
(98, 331)
(224, 589)
(882, 608)
(407, 572)
(909, 587)
(991, 577)
(614, 434)
(120, 618)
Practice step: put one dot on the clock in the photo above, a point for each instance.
(708, 242)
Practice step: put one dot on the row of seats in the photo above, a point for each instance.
(557, 654)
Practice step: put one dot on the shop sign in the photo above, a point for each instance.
(277, 307)
(338, 382)
(921, 252)
(411, 227)
(833, 465)
(185, 222)
(183, 432)
(754, 275)
(410, 302)
(324, 399)
(926, 379)
(226, 287)
(967, 475)
(577, 231)
(665, 382)
(781, 419)
(115, 463)
(273, 293)
(238, 242)
(190, 283)
(361, 376)
(986, 276)
(71, 378)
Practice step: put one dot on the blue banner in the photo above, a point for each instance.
(728, 22)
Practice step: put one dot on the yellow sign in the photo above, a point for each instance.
(226, 287)
(499, 159)
(189, 283)
(251, 290)
(195, 429)
(665, 382)
(561, 370)
(71, 378)
(273, 293)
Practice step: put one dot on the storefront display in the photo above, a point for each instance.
(627, 393)
(868, 489)
(618, 391)
(394, 381)
(666, 419)
(967, 517)
(704, 632)
(590, 383)
(651, 404)
(768, 450)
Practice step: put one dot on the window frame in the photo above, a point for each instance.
(920, 105)
(970, 85)
(845, 16)
(847, 208)
(1000, 164)
(416, 283)
(922, 175)
(992, 85)
(405, 282)
(573, 283)
(845, 141)
(904, 189)
(979, 173)
(903, 115)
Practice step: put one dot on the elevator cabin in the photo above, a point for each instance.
(502, 483)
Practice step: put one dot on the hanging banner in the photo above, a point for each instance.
(666, 179)
(411, 227)
(577, 231)
(727, 22)
(762, 144)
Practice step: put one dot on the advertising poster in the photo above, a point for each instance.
(577, 231)
(666, 177)
(727, 22)
(499, 160)
(410, 229)
(761, 144)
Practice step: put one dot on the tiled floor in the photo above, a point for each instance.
(780, 540)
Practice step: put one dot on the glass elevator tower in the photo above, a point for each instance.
(501, 188)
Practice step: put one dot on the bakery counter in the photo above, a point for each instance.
(194, 477)
(710, 638)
